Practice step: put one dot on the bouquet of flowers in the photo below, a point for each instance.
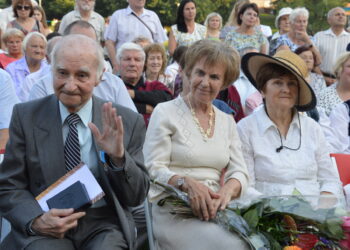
(286, 222)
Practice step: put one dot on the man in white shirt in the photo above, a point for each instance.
(84, 10)
(127, 24)
(332, 42)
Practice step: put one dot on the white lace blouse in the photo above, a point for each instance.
(308, 170)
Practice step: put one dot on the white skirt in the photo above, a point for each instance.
(173, 232)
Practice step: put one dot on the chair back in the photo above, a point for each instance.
(343, 165)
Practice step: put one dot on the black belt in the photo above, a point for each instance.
(329, 75)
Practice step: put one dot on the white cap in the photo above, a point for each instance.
(282, 12)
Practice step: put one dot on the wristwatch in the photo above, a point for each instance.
(180, 182)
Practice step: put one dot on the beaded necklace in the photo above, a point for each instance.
(205, 134)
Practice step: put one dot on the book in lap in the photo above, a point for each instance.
(77, 189)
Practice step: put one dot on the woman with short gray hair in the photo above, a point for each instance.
(297, 35)
(34, 47)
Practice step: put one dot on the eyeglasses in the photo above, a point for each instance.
(22, 7)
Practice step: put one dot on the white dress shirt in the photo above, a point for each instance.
(331, 47)
(8, 98)
(31, 79)
(308, 169)
(125, 27)
(111, 88)
(340, 121)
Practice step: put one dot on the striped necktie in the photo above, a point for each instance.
(72, 147)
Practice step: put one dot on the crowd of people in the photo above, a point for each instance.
(226, 112)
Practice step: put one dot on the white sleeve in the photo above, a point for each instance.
(247, 151)
(157, 147)
(43, 87)
(339, 119)
(327, 174)
(8, 99)
(237, 168)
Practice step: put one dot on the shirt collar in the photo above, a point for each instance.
(77, 14)
(266, 123)
(129, 11)
(85, 113)
(330, 32)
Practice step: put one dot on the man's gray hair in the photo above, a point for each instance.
(77, 40)
(28, 37)
(330, 12)
(127, 47)
(300, 11)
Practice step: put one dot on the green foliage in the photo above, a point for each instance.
(167, 9)
(318, 11)
(57, 8)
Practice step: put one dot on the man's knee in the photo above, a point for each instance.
(51, 243)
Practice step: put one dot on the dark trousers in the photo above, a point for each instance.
(98, 229)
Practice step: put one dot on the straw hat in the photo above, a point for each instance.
(252, 63)
(282, 12)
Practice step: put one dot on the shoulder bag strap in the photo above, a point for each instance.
(132, 13)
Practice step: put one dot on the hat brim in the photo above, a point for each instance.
(252, 63)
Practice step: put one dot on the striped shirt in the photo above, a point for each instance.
(331, 47)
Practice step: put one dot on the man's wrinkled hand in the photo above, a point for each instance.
(56, 222)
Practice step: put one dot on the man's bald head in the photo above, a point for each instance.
(81, 27)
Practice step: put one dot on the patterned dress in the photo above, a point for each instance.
(241, 41)
(187, 39)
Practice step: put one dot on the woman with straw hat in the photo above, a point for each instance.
(285, 152)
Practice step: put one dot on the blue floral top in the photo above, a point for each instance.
(241, 41)
(284, 40)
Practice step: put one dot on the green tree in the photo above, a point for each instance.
(167, 9)
(318, 10)
(57, 8)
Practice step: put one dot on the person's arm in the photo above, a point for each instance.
(152, 97)
(127, 174)
(110, 45)
(160, 36)
(247, 150)
(263, 49)
(172, 42)
(4, 136)
(339, 121)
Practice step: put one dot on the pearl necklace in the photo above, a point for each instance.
(205, 134)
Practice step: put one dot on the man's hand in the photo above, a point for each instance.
(56, 222)
(111, 139)
(131, 93)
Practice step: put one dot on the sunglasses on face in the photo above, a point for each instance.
(22, 7)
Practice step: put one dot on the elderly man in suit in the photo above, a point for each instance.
(43, 135)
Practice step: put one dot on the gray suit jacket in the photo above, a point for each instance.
(34, 159)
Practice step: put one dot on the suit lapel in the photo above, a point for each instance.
(49, 141)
